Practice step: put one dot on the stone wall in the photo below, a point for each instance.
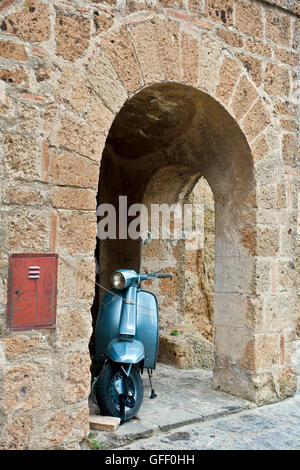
(67, 69)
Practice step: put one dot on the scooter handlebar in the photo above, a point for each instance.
(165, 276)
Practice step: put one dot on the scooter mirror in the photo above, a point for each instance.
(145, 238)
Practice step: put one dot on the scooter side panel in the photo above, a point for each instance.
(108, 322)
(148, 326)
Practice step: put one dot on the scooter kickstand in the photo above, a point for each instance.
(153, 394)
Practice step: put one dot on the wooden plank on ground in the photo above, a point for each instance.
(104, 423)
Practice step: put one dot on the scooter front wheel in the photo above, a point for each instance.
(107, 391)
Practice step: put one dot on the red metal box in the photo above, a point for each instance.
(32, 291)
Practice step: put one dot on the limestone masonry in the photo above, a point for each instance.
(147, 98)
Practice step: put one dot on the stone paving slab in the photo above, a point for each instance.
(189, 415)
(184, 397)
(272, 427)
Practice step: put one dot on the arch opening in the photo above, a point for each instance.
(164, 140)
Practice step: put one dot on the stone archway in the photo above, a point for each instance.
(255, 218)
(250, 357)
(241, 247)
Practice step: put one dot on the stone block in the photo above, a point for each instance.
(104, 423)
(105, 81)
(20, 157)
(248, 18)
(81, 138)
(27, 232)
(277, 80)
(190, 58)
(31, 23)
(66, 198)
(67, 169)
(77, 231)
(146, 47)
(72, 90)
(72, 35)
(12, 50)
(243, 97)
(253, 66)
(73, 326)
(99, 115)
(257, 119)
(278, 27)
(16, 76)
(121, 53)
(229, 74)
(168, 48)
(220, 10)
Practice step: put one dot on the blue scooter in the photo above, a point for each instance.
(126, 340)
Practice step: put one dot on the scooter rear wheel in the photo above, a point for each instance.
(106, 393)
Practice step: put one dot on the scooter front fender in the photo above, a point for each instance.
(126, 352)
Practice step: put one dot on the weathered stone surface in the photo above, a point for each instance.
(190, 57)
(20, 157)
(21, 345)
(31, 23)
(277, 80)
(85, 286)
(257, 119)
(73, 326)
(71, 89)
(188, 350)
(258, 47)
(81, 138)
(244, 96)
(290, 149)
(17, 434)
(260, 148)
(17, 76)
(25, 388)
(102, 21)
(73, 199)
(220, 10)
(29, 118)
(99, 115)
(168, 48)
(253, 67)
(58, 428)
(77, 231)
(208, 58)
(229, 74)
(63, 83)
(12, 50)
(248, 18)
(261, 242)
(27, 232)
(78, 385)
(67, 169)
(120, 51)
(23, 196)
(105, 81)
(72, 35)
(146, 46)
(278, 27)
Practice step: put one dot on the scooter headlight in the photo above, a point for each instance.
(118, 280)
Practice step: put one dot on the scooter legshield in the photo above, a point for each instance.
(126, 352)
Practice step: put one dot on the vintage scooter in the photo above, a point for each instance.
(127, 334)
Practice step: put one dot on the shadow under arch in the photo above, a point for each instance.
(171, 124)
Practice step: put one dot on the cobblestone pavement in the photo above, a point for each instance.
(189, 414)
(270, 427)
